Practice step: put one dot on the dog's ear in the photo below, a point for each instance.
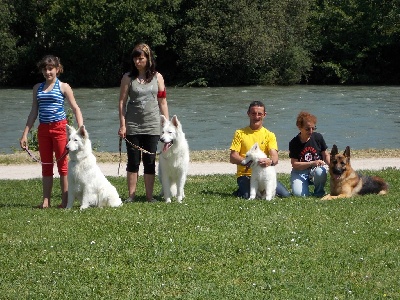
(70, 129)
(347, 152)
(334, 150)
(255, 147)
(162, 119)
(175, 121)
(83, 133)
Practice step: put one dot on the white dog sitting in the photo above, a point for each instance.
(263, 179)
(173, 160)
(85, 179)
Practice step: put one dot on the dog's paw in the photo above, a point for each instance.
(327, 197)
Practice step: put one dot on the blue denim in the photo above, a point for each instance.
(300, 181)
(244, 188)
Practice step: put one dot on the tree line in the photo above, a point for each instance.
(204, 43)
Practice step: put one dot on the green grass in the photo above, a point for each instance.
(213, 246)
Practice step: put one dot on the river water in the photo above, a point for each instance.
(362, 117)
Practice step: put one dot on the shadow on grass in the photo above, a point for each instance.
(17, 205)
(217, 193)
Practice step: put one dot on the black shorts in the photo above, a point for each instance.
(135, 156)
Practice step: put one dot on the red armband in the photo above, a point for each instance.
(162, 94)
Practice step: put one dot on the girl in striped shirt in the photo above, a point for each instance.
(48, 103)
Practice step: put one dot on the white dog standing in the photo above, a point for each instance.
(263, 179)
(85, 179)
(173, 160)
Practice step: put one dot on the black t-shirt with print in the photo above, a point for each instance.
(308, 151)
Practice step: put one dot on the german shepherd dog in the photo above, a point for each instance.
(345, 182)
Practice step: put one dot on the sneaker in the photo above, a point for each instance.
(152, 200)
(129, 200)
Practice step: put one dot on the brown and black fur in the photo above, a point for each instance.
(345, 182)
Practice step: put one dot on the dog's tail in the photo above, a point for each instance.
(373, 185)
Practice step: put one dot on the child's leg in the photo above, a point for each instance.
(60, 140)
(47, 183)
(64, 191)
(46, 157)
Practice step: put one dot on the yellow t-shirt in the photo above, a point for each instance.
(245, 138)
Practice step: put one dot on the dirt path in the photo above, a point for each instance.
(111, 169)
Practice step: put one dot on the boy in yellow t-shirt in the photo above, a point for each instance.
(244, 139)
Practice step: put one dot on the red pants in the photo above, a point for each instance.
(52, 137)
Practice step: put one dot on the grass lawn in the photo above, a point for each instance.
(213, 246)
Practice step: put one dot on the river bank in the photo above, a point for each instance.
(207, 156)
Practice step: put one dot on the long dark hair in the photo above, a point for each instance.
(137, 51)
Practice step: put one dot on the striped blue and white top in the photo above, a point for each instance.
(51, 104)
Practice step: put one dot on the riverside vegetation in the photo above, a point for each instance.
(213, 246)
(200, 43)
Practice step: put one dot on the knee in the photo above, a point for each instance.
(149, 169)
(132, 168)
(63, 168)
(149, 164)
(300, 188)
(47, 170)
(320, 174)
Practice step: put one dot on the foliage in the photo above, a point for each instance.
(92, 38)
(197, 43)
(212, 246)
(359, 39)
(199, 82)
(8, 55)
(33, 142)
(241, 42)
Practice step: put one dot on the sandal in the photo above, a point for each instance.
(40, 206)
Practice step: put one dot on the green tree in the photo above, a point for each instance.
(8, 50)
(27, 30)
(96, 35)
(244, 42)
(291, 59)
(93, 38)
(359, 41)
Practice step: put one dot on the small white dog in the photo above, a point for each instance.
(263, 179)
(173, 160)
(85, 179)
